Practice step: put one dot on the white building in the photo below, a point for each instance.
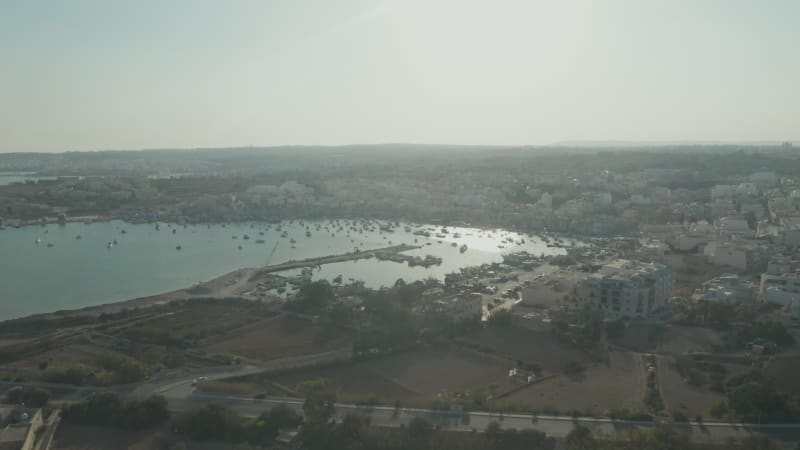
(626, 288)
(740, 255)
(780, 289)
(737, 225)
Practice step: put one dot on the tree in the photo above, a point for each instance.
(319, 409)
(718, 409)
(615, 329)
(350, 434)
(140, 415)
(418, 434)
(512, 439)
(282, 416)
(34, 397)
(759, 401)
(265, 428)
(212, 422)
(753, 442)
(76, 375)
(500, 318)
(109, 409)
(320, 400)
(312, 298)
(659, 438)
(580, 438)
(678, 416)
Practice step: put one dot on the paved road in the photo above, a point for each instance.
(182, 396)
(179, 382)
(553, 426)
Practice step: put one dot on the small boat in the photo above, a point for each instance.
(37, 241)
(292, 241)
(259, 241)
(178, 247)
(463, 248)
(308, 234)
(78, 237)
(124, 232)
(454, 244)
(50, 244)
(246, 237)
(109, 245)
(240, 247)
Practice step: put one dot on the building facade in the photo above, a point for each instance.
(626, 288)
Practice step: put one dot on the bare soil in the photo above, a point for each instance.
(784, 370)
(279, 337)
(529, 346)
(679, 395)
(619, 384)
(414, 378)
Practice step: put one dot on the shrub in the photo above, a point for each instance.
(678, 416)
(34, 397)
(109, 409)
(76, 375)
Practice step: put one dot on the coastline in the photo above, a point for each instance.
(219, 288)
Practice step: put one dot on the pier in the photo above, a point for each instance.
(380, 253)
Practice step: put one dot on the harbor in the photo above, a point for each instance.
(46, 268)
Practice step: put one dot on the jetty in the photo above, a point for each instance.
(385, 253)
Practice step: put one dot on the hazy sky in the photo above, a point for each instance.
(106, 74)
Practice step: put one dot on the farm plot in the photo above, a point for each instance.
(414, 378)
(679, 395)
(784, 370)
(620, 384)
(277, 338)
(529, 346)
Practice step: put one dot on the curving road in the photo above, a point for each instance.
(177, 388)
(716, 432)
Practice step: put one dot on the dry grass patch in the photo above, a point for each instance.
(279, 337)
(620, 384)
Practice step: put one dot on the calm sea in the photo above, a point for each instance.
(74, 273)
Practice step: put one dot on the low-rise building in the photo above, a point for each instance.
(458, 309)
(625, 288)
(741, 255)
(780, 289)
(727, 288)
(734, 225)
(780, 264)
